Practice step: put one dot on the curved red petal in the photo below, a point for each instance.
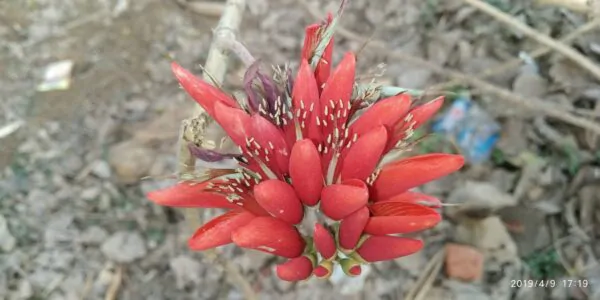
(423, 113)
(324, 241)
(270, 235)
(250, 204)
(305, 104)
(362, 158)
(394, 208)
(280, 200)
(205, 94)
(400, 224)
(305, 171)
(295, 269)
(273, 150)
(235, 122)
(340, 200)
(189, 194)
(335, 98)
(398, 177)
(416, 198)
(387, 112)
(380, 248)
(311, 39)
(217, 232)
(416, 117)
(400, 217)
(323, 68)
(351, 228)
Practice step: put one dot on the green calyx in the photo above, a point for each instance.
(350, 266)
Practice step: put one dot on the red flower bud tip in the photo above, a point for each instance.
(400, 217)
(279, 199)
(397, 177)
(324, 269)
(350, 267)
(340, 200)
(189, 194)
(363, 156)
(305, 171)
(218, 231)
(416, 198)
(324, 241)
(295, 269)
(380, 248)
(352, 227)
(356, 270)
(270, 235)
(387, 112)
(205, 94)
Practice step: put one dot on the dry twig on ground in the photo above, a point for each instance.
(585, 6)
(555, 45)
(115, 284)
(214, 70)
(507, 66)
(425, 281)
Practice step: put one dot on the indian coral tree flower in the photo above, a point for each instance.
(304, 149)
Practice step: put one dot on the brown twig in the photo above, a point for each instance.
(530, 103)
(214, 72)
(507, 66)
(87, 288)
(425, 281)
(585, 6)
(559, 47)
(115, 284)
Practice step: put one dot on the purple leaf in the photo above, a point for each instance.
(208, 155)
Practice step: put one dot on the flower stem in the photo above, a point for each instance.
(216, 66)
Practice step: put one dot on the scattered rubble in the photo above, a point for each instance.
(124, 247)
(78, 136)
(464, 263)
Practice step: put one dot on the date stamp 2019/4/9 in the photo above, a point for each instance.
(549, 283)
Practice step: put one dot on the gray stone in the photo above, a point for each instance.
(94, 235)
(7, 241)
(124, 247)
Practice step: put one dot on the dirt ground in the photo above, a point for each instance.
(74, 223)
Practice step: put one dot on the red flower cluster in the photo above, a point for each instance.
(305, 151)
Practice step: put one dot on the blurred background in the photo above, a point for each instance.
(89, 107)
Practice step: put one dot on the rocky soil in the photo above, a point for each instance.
(74, 223)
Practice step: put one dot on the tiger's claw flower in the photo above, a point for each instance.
(304, 148)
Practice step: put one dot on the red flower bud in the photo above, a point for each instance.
(295, 269)
(218, 231)
(324, 241)
(352, 227)
(397, 177)
(189, 194)
(380, 248)
(400, 217)
(305, 171)
(350, 267)
(387, 112)
(279, 199)
(340, 200)
(270, 235)
(324, 269)
(416, 198)
(205, 94)
(360, 160)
